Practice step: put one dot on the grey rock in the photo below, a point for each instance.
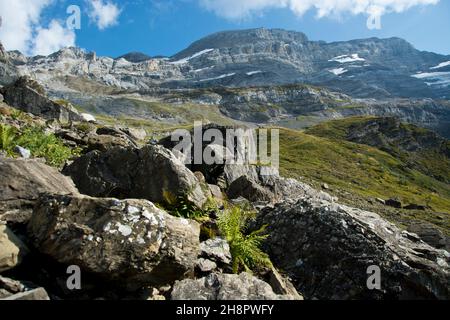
(148, 173)
(217, 250)
(130, 242)
(327, 248)
(251, 190)
(21, 183)
(395, 203)
(22, 152)
(34, 295)
(205, 265)
(431, 235)
(27, 95)
(225, 287)
(12, 249)
(281, 285)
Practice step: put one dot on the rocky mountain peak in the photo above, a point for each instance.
(135, 57)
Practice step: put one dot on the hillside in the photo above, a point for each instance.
(359, 174)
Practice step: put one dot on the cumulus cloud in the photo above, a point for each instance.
(21, 28)
(238, 9)
(53, 38)
(104, 14)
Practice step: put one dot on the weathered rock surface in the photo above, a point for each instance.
(327, 249)
(130, 242)
(225, 287)
(27, 95)
(149, 173)
(21, 183)
(33, 295)
(217, 250)
(431, 235)
(12, 249)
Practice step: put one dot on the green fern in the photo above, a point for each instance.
(245, 248)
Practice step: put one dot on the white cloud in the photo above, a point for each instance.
(22, 30)
(53, 38)
(238, 9)
(104, 13)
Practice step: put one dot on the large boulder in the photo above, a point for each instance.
(27, 95)
(21, 183)
(153, 173)
(225, 287)
(12, 249)
(327, 249)
(129, 242)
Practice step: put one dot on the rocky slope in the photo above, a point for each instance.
(375, 68)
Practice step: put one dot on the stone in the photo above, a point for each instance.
(34, 295)
(21, 183)
(152, 173)
(415, 207)
(216, 193)
(281, 285)
(225, 287)
(12, 249)
(29, 96)
(217, 250)
(206, 265)
(250, 190)
(135, 133)
(327, 248)
(431, 235)
(395, 203)
(129, 242)
(22, 152)
(86, 117)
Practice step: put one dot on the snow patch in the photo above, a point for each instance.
(347, 58)
(338, 71)
(251, 73)
(441, 65)
(434, 78)
(219, 77)
(187, 59)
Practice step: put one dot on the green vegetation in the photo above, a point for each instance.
(41, 144)
(245, 248)
(364, 172)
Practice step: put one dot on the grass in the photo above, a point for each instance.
(41, 144)
(364, 171)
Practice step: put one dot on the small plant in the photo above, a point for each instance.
(40, 144)
(46, 146)
(180, 206)
(7, 137)
(245, 248)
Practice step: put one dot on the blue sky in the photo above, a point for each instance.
(165, 27)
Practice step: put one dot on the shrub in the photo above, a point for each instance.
(245, 248)
(8, 136)
(40, 144)
(180, 206)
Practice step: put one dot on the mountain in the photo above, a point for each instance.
(135, 57)
(367, 68)
(260, 76)
(8, 72)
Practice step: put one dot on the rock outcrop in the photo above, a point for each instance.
(12, 249)
(153, 173)
(225, 287)
(328, 248)
(130, 242)
(21, 183)
(27, 95)
(8, 72)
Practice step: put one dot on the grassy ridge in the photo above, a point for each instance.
(364, 171)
